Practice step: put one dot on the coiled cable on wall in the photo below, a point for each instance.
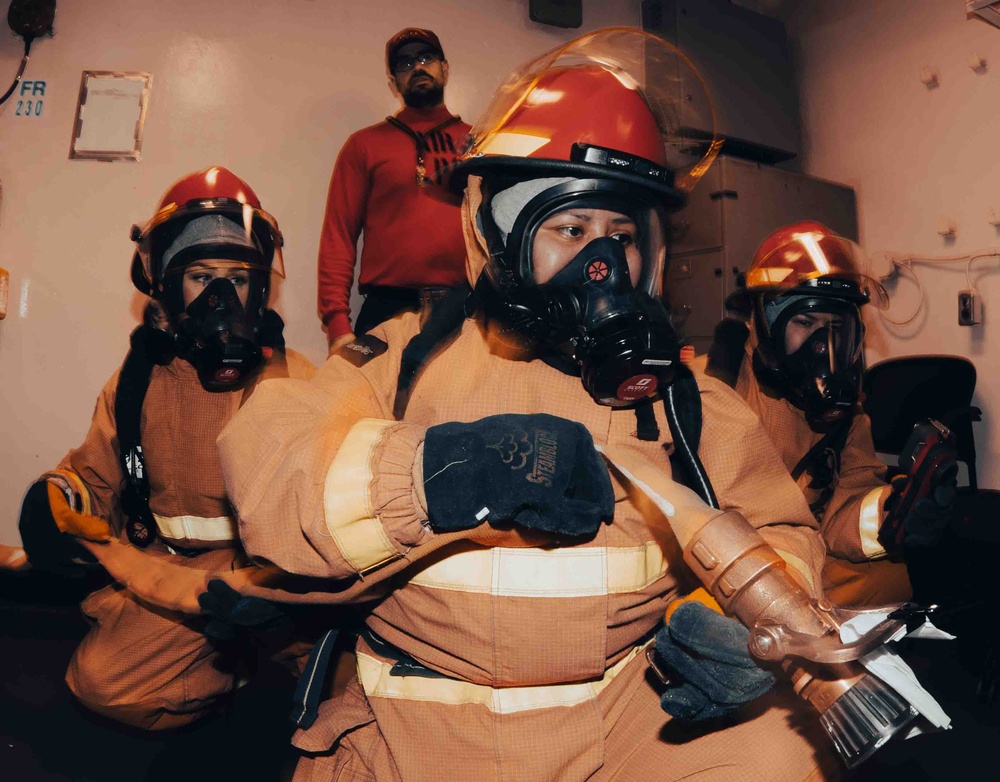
(20, 71)
(906, 262)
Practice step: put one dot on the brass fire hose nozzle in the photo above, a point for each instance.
(751, 583)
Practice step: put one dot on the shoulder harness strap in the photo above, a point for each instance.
(835, 439)
(133, 382)
(443, 325)
(822, 464)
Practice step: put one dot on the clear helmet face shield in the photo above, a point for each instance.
(600, 118)
(559, 99)
(813, 260)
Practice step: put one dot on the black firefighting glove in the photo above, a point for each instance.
(538, 471)
(233, 617)
(706, 658)
(49, 529)
(928, 518)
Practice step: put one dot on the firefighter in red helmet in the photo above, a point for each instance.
(799, 365)
(448, 478)
(148, 471)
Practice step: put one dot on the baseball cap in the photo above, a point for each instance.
(410, 35)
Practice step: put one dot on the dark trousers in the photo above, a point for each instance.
(382, 304)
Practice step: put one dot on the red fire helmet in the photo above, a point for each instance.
(808, 258)
(607, 104)
(212, 191)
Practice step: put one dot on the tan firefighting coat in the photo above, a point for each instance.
(156, 669)
(536, 651)
(856, 571)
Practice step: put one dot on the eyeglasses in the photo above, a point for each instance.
(407, 64)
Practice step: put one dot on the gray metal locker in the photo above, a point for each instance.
(731, 210)
(744, 59)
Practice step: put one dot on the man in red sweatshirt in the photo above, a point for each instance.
(383, 185)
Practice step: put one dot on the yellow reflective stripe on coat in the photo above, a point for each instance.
(547, 573)
(870, 521)
(196, 528)
(379, 682)
(350, 518)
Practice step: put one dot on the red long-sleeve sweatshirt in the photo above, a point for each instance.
(411, 239)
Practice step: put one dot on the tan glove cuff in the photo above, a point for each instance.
(70, 521)
(72, 487)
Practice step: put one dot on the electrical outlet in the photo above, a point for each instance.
(970, 308)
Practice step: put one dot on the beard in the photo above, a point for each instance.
(424, 95)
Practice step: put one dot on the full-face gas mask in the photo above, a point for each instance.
(216, 333)
(822, 374)
(600, 316)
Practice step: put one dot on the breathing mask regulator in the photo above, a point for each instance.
(821, 375)
(596, 316)
(216, 338)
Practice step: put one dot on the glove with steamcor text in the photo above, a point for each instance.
(538, 471)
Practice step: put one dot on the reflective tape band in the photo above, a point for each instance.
(870, 521)
(546, 573)
(350, 518)
(75, 485)
(378, 682)
(196, 528)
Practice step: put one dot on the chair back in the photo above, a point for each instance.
(899, 392)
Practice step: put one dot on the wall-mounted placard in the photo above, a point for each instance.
(110, 115)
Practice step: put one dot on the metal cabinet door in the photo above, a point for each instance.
(694, 291)
(698, 226)
(759, 199)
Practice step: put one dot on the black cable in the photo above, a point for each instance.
(20, 71)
